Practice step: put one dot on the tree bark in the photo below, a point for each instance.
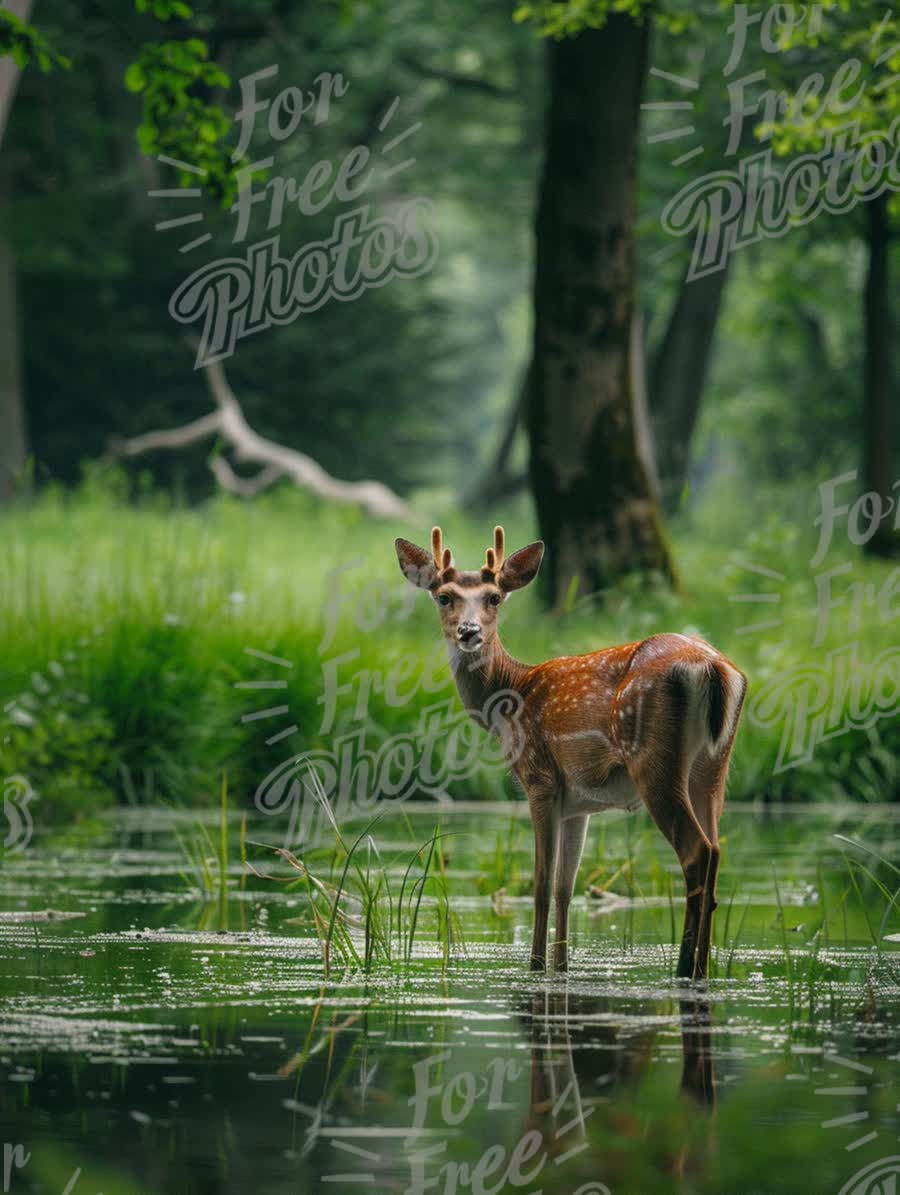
(878, 412)
(678, 377)
(595, 507)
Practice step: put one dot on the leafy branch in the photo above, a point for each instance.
(178, 121)
(567, 18)
(27, 46)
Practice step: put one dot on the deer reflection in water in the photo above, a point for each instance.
(582, 1105)
(587, 1063)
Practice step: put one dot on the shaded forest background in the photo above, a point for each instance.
(413, 385)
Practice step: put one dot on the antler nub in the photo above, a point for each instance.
(494, 556)
(443, 557)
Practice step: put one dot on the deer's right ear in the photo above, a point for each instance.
(416, 564)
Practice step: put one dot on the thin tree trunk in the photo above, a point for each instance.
(498, 481)
(878, 413)
(12, 404)
(643, 428)
(678, 377)
(595, 506)
(9, 72)
(12, 407)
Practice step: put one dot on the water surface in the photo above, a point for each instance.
(156, 1036)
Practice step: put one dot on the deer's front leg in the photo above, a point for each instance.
(571, 846)
(546, 835)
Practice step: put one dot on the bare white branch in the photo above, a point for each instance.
(276, 460)
(246, 487)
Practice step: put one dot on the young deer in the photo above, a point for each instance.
(652, 721)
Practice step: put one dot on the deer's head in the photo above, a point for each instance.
(468, 601)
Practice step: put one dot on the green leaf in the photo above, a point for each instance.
(146, 135)
(135, 79)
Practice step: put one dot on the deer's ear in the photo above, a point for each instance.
(416, 564)
(521, 568)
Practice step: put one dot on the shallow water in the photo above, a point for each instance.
(169, 1039)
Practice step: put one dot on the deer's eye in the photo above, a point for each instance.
(445, 599)
(495, 599)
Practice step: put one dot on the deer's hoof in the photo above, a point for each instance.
(538, 964)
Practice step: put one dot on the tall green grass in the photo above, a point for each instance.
(361, 915)
(124, 631)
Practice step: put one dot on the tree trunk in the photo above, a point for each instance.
(595, 507)
(678, 376)
(9, 72)
(12, 404)
(646, 446)
(12, 408)
(878, 414)
(499, 481)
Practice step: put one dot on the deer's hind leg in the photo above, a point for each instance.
(661, 778)
(707, 793)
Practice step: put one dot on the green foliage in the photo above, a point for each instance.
(27, 45)
(858, 55)
(177, 121)
(567, 18)
(64, 744)
(165, 10)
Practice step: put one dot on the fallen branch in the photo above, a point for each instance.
(246, 487)
(276, 460)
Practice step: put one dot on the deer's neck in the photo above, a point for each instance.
(480, 675)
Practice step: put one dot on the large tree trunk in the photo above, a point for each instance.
(595, 507)
(878, 413)
(12, 404)
(679, 374)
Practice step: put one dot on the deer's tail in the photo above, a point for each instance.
(711, 693)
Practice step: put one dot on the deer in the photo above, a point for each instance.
(650, 722)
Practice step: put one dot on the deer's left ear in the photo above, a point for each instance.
(521, 568)
(416, 564)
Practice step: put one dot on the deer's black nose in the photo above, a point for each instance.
(467, 631)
